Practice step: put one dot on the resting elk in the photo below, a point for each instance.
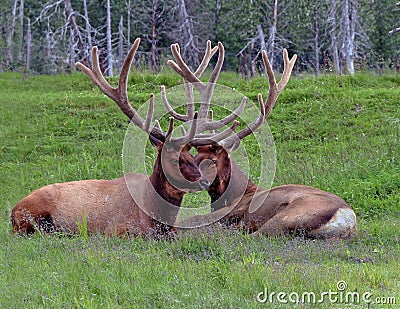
(294, 209)
(106, 206)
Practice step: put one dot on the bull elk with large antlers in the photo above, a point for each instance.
(107, 206)
(280, 210)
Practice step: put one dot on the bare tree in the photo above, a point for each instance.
(88, 34)
(333, 34)
(186, 35)
(316, 38)
(21, 30)
(28, 46)
(153, 18)
(153, 38)
(343, 19)
(349, 25)
(128, 23)
(121, 53)
(77, 47)
(109, 68)
(261, 37)
(10, 34)
(272, 34)
(69, 31)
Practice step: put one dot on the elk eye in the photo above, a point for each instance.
(175, 160)
(214, 162)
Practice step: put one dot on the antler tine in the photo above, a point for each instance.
(187, 137)
(274, 91)
(157, 125)
(250, 128)
(207, 93)
(218, 66)
(209, 53)
(189, 77)
(226, 136)
(150, 113)
(215, 125)
(206, 59)
(169, 108)
(189, 103)
(205, 121)
(206, 139)
(120, 94)
(183, 131)
(274, 88)
(170, 129)
(181, 68)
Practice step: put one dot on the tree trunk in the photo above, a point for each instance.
(76, 37)
(272, 35)
(261, 37)
(128, 25)
(244, 68)
(316, 39)
(109, 69)
(188, 40)
(153, 48)
(253, 55)
(28, 46)
(88, 35)
(349, 18)
(120, 43)
(334, 39)
(10, 35)
(20, 44)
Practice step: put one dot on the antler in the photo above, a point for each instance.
(206, 91)
(274, 88)
(273, 93)
(119, 95)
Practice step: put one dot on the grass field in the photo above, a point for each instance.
(340, 134)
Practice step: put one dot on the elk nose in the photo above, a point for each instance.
(204, 183)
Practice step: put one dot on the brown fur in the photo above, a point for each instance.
(280, 210)
(107, 206)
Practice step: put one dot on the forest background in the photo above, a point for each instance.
(341, 36)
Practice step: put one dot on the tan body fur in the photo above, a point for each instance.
(295, 208)
(105, 205)
(280, 210)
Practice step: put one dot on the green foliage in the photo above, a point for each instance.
(340, 134)
(232, 22)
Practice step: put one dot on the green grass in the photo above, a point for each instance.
(340, 134)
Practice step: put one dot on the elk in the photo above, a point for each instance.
(108, 206)
(281, 210)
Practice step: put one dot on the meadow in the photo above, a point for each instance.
(338, 133)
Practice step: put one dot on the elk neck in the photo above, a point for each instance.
(162, 186)
(229, 182)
